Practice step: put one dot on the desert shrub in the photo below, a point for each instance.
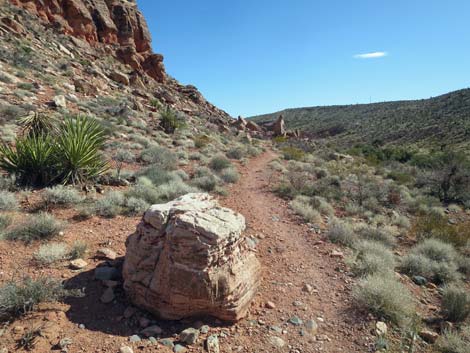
(384, 296)
(120, 157)
(201, 141)
(219, 162)
(455, 303)
(8, 201)
(301, 206)
(206, 182)
(236, 153)
(61, 195)
(18, 298)
(157, 175)
(453, 342)
(433, 260)
(341, 233)
(144, 190)
(377, 234)
(78, 250)
(229, 175)
(42, 226)
(320, 204)
(110, 205)
(372, 257)
(292, 153)
(170, 121)
(5, 221)
(436, 225)
(136, 206)
(174, 189)
(51, 253)
(160, 156)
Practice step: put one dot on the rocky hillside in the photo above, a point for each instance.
(424, 122)
(87, 50)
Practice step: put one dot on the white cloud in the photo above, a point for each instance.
(374, 55)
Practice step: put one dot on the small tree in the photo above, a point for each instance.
(170, 121)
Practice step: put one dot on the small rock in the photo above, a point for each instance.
(381, 328)
(419, 280)
(277, 342)
(106, 254)
(64, 343)
(296, 321)
(108, 296)
(134, 338)
(212, 344)
(59, 101)
(270, 305)
(337, 254)
(106, 273)
(311, 327)
(81, 326)
(153, 340)
(189, 336)
(167, 343)
(18, 329)
(78, 264)
(152, 331)
(179, 348)
(297, 303)
(204, 329)
(307, 288)
(125, 349)
(428, 336)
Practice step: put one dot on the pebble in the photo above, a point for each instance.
(307, 288)
(125, 349)
(296, 321)
(428, 336)
(270, 305)
(152, 331)
(134, 338)
(167, 342)
(81, 326)
(153, 340)
(419, 280)
(212, 344)
(277, 342)
(78, 264)
(189, 336)
(64, 343)
(204, 329)
(337, 254)
(311, 327)
(106, 253)
(381, 328)
(179, 348)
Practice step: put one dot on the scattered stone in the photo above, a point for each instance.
(134, 338)
(153, 340)
(337, 254)
(78, 264)
(108, 296)
(59, 101)
(81, 326)
(106, 273)
(179, 348)
(270, 305)
(18, 329)
(212, 344)
(152, 331)
(189, 336)
(277, 342)
(307, 288)
(311, 327)
(297, 303)
(119, 77)
(428, 336)
(296, 321)
(276, 329)
(167, 343)
(64, 343)
(381, 328)
(125, 349)
(106, 254)
(204, 329)
(419, 280)
(182, 281)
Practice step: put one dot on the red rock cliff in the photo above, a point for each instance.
(116, 22)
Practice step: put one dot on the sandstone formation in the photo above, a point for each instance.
(113, 22)
(188, 258)
(279, 128)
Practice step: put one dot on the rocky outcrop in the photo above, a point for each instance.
(117, 22)
(279, 128)
(188, 258)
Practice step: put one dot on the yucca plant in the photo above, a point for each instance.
(169, 121)
(33, 159)
(78, 150)
(38, 124)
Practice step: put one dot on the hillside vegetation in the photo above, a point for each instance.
(428, 122)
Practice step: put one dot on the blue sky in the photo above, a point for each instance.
(257, 56)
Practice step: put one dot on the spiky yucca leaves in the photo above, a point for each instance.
(38, 124)
(78, 143)
(169, 121)
(33, 160)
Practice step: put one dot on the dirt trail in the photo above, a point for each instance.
(292, 256)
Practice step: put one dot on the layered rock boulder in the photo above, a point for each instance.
(188, 258)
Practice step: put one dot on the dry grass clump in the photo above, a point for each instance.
(160, 156)
(5, 221)
(229, 175)
(219, 162)
(341, 233)
(110, 205)
(42, 226)
(377, 234)
(372, 257)
(454, 341)
(8, 201)
(301, 206)
(455, 303)
(51, 253)
(61, 195)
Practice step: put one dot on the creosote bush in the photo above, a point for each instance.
(110, 205)
(384, 296)
(455, 303)
(236, 153)
(42, 226)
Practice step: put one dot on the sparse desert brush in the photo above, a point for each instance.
(455, 303)
(219, 162)
(145, 190)
(170, 121)
(78, 250)
(61, 195)
(372, 257)
(51, 253)
(382, 295)
(236, 153)
(432, 259)
(110, 205)
(401, 221)
(157, 175)
(135, 206)
(301, 206)
(229, 175)
(342, 233)
(253, 151)
(195, 156)
(437, 226)
(453, 341)
(120, 157)
(174, 189)
(292, 153)
(201, 141)
(42, 226)
(377, 234)
(277, 166)
(18, 298)
(8, 201)
(160, 156)
(5, 221)
(319, 203)
(206, 182)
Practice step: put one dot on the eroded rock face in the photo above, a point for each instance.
(279, 127)
(103, 21)
(188, 258)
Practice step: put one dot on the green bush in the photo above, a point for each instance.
(320, 204)
(229, 175)
(219, 163)
(136, 206)
(292, 153)
(372, 257)
(61, 195)
(432, 259)
(384, 296)
(378, 235)
(455, 303)
(8, 201)
(206, 182)
(18, 298)
(42, 226)
(236, 153)
(170, 121)
(341, 233)
(201, 141)
(172, 190)
(51, 253)
(5, 221)
(160, 156)
(110, 205)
